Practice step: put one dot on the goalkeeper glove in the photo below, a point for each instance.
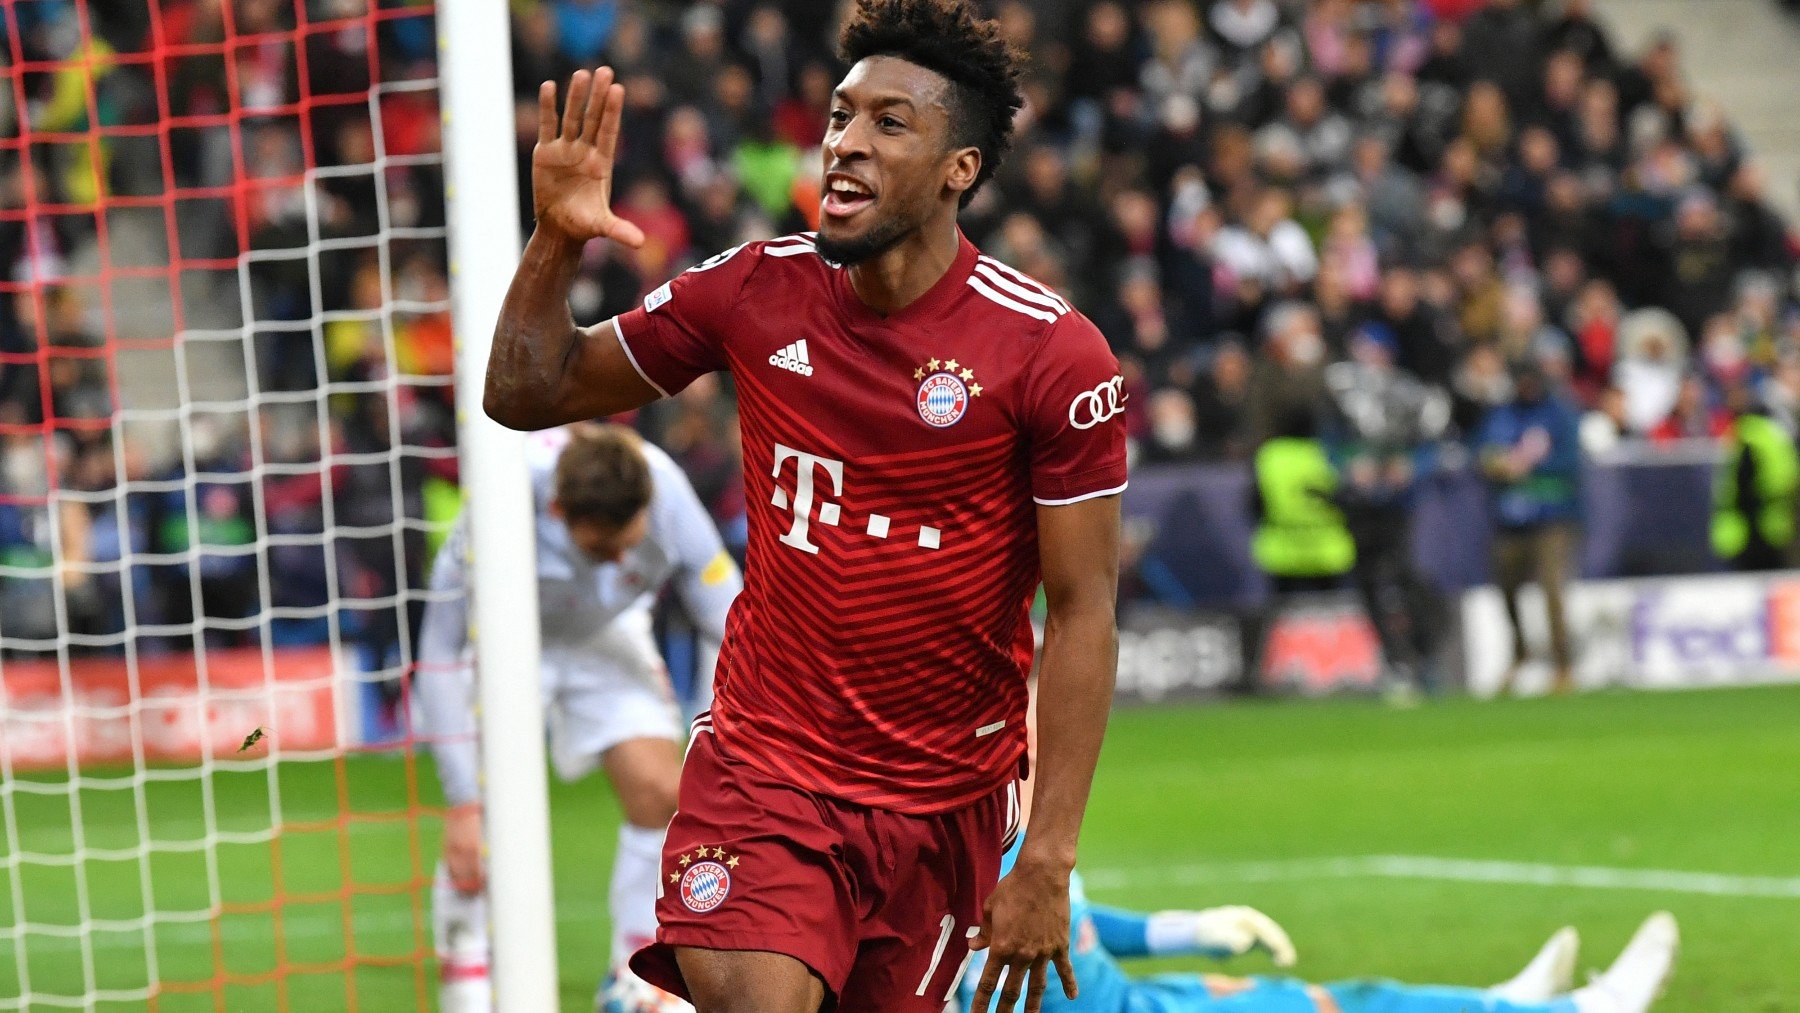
(1219, 932)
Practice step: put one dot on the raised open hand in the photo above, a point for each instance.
(572, 165)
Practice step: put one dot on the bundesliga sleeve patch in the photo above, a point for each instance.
(657, 298)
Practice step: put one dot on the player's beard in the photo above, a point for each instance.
(881, 237)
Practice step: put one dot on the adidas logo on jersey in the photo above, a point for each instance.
(793, 357)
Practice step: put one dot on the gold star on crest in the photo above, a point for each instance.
(975, 390)
(918, 374)
(732, 861)
(967, 375)
(674, 877)
(685, 860)
(932, 365)
(718, 852)
(952, 365)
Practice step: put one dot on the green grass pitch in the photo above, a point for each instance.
(1194, 806)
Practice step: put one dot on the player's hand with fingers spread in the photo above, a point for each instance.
(462, 848)
(1025, 929)
(1235, 931)
(572, 165)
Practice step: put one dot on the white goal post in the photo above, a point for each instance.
(481, 194)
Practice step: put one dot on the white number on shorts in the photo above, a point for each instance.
(937, 955)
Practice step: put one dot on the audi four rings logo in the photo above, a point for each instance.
(1092, 407)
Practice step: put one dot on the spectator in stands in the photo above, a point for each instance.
(1501, 42)
(1173, 429)
(1269, 249)
(1530, 451)
(1593, 321)
(1650, 366)
(1692, 418)
(1605, 426)
(1779, 393)
(205, 521)
(42, 537)
(1290, 370)
(1340, 312)
(1574, 30)
(1700, 266)
(1221, 403)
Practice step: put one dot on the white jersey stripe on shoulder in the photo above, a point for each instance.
(1014, 288)
(1027, 280)
(1081, 498)
(1012, 304)
(788, 251)
(619, 330)
(798, 237)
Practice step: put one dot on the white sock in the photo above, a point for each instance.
(1637, 977)
(632, 899)
(459, 926)
(1548, 973)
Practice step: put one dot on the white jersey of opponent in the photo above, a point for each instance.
(583, 606)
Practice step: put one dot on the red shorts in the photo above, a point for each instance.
(879, 905)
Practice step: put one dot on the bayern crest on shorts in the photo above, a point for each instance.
(704, 886)
(943, 395)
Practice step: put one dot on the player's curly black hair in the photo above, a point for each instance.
(946, 36)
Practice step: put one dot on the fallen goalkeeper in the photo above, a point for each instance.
(1102, 936)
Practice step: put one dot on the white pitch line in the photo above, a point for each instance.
(311, 925)
(316, 924)
(1453, 869)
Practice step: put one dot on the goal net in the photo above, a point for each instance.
(227, 450)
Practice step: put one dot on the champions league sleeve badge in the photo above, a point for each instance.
(945, 387)
(705, 879)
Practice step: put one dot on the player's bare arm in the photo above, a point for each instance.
(544, 370)
(1026, 919)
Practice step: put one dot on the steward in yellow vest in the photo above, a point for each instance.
(1301, 539)
(1754, 493)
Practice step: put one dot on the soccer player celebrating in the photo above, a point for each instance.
(927, 434)
(616, 521)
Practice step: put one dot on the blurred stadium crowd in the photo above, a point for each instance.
(1400, 209)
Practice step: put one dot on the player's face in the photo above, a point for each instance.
(887, 159)
(608, 543)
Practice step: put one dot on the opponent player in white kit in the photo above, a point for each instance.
(616, 521)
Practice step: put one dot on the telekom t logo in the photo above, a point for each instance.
(803, 494)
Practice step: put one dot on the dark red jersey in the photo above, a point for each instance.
(892, 467)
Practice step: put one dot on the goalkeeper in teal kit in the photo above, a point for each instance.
(1102, 936)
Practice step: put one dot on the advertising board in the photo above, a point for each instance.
(180, 713)
(1653, 633)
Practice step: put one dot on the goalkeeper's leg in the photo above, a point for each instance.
(459, 927)
(1192, 993)
(1536, 989)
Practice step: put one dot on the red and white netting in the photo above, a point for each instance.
(226, 451)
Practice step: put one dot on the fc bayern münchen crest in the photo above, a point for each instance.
(942, 400)
(704, 886)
